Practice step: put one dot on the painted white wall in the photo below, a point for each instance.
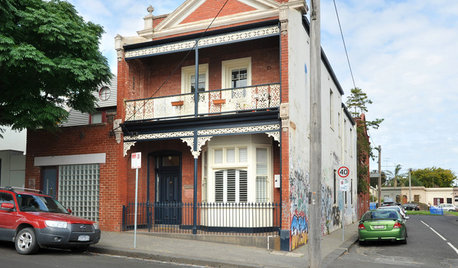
(12, 168)
(299, 119)
(339, 141)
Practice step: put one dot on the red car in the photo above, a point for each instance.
(33, 220)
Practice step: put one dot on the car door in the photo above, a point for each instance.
(7, 217)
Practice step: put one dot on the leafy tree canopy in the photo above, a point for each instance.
(49, 59)
(434, 177)
(357, 103)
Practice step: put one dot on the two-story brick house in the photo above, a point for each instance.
(216, 97)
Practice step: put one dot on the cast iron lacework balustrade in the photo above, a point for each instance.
(221, 101)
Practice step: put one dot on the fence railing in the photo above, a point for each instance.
(220, 101)
(227, 218)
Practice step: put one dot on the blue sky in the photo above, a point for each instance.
(403, 55)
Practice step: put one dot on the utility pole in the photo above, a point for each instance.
(379, 149)
(410, 186)
(315, 137)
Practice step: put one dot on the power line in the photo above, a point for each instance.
(181, 61)
(345, 46)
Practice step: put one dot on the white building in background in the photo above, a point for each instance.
(421, 194)
(12, 168)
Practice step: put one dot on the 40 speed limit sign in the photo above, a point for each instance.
(344, 182)
(343, 172)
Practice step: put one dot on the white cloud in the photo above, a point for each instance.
(403, 54)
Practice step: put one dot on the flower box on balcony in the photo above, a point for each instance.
(219, 102)
(177, 103)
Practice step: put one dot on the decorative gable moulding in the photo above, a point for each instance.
(196, 15)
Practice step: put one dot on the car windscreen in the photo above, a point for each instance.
(35, 203)
(381, 214)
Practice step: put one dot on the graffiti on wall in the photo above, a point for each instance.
(299, 229)
(326, 208)
(299, 187)
(335, 216)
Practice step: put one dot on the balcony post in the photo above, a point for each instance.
(196, 86)
(194, 211)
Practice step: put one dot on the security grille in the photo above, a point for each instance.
(79, 190)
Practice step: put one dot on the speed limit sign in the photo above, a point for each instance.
(343, 172)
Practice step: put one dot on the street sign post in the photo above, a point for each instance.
(136, 163)
(343, 172)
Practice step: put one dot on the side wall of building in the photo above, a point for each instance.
(298, 127)
(12, 168)
(339, 141)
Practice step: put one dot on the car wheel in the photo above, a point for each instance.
(26, 241)
(362, 243)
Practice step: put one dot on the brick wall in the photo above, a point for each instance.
(81, 140)
(210, 9)
(141, 78)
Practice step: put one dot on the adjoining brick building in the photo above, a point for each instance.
(219, 109)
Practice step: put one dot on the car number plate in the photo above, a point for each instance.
(379, 227)
(83, 238)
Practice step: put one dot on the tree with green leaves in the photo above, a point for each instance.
(49, 60)
(357, 104)
(434, 177)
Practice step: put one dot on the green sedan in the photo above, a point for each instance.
(378, 225)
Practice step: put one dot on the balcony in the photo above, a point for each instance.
(213, 102)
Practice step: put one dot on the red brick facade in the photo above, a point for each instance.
(82, 140)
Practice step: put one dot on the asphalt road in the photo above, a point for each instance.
(47, 258)
(432, 242)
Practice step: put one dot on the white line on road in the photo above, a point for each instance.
(450, 244)
(434, 231)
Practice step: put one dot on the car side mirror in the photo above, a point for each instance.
(69, 211)
(8, 206)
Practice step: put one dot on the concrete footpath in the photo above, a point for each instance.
(195, 252)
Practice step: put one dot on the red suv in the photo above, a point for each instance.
(33, 220)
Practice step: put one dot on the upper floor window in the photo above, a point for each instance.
(236, 73)
(188, 78)
(96, 118)
(104, 93)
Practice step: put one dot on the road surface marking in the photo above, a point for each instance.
(450, 244)
(434, 231)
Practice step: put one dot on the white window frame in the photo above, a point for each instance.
(187, 72)
(249, 166)
(228, 66)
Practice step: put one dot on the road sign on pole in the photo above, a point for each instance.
(343, 172)
(136, 163)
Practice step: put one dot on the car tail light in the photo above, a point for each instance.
(397, 225)
(361, 226)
